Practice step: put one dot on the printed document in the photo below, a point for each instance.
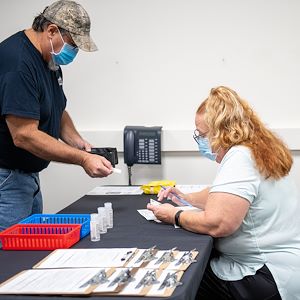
(49, 281)
(116, 190)
(87, 258)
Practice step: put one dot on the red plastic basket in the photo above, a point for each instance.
(40, 236)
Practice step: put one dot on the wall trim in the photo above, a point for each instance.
(176, 140)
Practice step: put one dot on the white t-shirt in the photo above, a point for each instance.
(269, 233)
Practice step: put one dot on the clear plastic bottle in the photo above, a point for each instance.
(94, 228)
(102, 220)
(109, 214)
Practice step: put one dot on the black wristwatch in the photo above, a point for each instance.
(177, 216)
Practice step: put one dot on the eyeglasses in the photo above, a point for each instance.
(71, 41)
(68, 35)
(197, 135)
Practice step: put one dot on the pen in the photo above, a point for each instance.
(182, 201)
(126, 255)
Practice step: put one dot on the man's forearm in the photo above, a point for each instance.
(48, 148)
(68, 132)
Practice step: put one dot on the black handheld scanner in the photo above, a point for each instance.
(109, 153)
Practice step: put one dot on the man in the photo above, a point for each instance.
(32, 108)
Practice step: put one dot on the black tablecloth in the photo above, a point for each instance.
(130, 230)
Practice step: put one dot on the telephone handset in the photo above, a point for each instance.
(142, 145)
(129, 157)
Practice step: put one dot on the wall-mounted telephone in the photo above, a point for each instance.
(142, 145)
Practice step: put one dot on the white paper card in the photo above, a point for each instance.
(147, 214)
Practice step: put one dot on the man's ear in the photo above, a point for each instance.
(51, 30)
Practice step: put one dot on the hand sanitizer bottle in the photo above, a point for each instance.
(109, 214)
(94, 228)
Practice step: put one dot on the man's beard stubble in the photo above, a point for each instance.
(52, 65)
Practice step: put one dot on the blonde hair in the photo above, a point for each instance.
(231, 121)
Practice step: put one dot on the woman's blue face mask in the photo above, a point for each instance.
(66, 54)
(205, 148)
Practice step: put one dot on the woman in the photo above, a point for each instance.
(250, 209)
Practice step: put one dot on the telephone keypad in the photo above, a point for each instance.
(147, 151)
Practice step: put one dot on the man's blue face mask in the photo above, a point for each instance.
(66, 54)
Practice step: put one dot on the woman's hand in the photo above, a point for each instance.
(170, 193)
(164, 212)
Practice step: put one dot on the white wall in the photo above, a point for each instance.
(157, 61)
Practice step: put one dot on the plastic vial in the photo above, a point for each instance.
(109, 214)
(94, 228)
(102, 220)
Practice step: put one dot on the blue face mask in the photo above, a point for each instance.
(66, 54)
(205, 149)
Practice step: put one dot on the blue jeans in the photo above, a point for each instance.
(20, 196)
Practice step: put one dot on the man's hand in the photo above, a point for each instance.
(84, 145)
(96, 165)
(164, 212)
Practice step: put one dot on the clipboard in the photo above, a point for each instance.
(52, 282)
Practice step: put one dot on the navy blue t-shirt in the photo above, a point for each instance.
(29, 89)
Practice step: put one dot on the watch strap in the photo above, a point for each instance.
(177, 216)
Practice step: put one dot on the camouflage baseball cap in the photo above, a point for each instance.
(72, 17)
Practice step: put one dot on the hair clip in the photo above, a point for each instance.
(98, 278)
(168, 256)
(186, 258)
(147, 255)
(170, 281)
(148, 279)
(123, 277)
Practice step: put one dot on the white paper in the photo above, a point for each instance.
(154, 202)
(87, 258)
(116, 170)
(190, 188)
(49, 281)
(116, 190)
(147, 214)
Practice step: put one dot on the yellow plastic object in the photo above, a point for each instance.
(153, 187)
